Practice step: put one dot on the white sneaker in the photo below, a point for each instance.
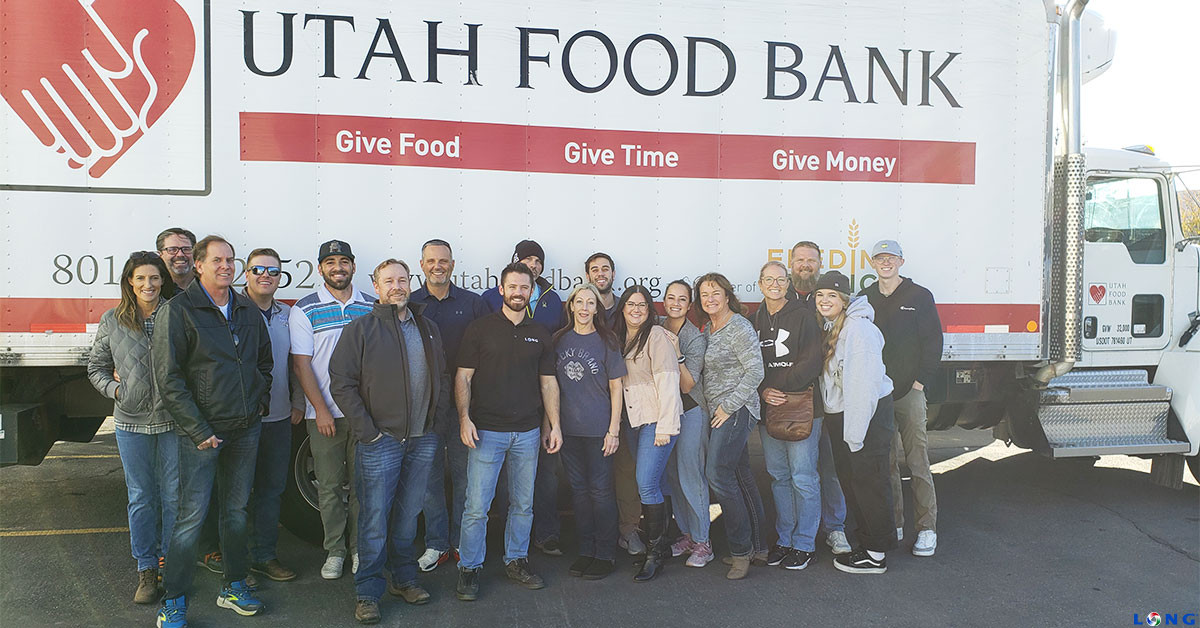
(430, 559)
(354, 563)
(926, 543)
(632, 543)
(838, 543)
(899, 534)
(332, 569)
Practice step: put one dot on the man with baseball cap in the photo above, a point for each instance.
(316, 323)
(906, 314)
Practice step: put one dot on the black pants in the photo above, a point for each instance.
(866, 476)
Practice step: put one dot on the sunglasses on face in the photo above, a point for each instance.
(259, 270)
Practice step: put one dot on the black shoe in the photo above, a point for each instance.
(660, 549)
(796, 560)
(859, 561)
(549, 547)
(777, 554)
(598, 570)
(580, 565)
(468, 584)
(518, 571)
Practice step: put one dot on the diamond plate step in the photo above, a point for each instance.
(1097, 412)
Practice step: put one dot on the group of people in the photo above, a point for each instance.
(649, 416)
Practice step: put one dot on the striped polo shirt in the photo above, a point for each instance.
(316, 323)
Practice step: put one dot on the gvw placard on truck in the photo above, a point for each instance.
(678, 137)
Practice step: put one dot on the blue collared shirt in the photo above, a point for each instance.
(452, 315)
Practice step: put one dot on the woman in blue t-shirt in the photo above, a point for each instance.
(589, 369)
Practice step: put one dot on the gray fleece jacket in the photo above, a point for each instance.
(854, 380)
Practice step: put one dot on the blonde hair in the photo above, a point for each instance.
(831, 335)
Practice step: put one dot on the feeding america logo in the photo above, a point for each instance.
(104, 95)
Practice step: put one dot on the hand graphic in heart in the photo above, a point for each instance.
(1097, 291)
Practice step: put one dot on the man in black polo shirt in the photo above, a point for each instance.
(504, 386)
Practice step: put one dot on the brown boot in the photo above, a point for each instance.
(740, 567)
(147, 590)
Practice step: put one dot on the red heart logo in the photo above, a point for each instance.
(90, 78)
(1098, 291)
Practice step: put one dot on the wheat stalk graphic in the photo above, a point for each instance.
(852, 238)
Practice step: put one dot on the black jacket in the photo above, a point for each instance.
(912, 334)
(791, 347)
(213, 374)
(368, 374)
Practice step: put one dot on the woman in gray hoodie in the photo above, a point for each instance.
(858, 416)
(119, 367)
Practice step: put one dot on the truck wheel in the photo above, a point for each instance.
(298, 511)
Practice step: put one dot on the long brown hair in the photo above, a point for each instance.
(127, 310)
(835, 330)
(606, 334)
(634, 346)
(734, 304)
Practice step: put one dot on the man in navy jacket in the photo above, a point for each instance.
(907, 316)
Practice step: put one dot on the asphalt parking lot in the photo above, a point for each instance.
(1022, 541)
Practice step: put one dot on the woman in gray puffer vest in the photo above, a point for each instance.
(119, 367)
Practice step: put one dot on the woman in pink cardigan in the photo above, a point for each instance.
(652, 407)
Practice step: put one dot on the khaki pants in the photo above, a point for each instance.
(912, 447)
(629, 503)
(333, 462)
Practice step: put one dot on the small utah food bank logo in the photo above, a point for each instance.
(104, 96)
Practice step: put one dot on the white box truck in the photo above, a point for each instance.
(679, 137)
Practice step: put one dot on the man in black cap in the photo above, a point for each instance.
(545, 307)
(316, 323)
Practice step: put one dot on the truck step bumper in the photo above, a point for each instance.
(1095, 413)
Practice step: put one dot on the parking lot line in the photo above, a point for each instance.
(74, 456)
(6, 533)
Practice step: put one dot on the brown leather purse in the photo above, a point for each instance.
(793, 420)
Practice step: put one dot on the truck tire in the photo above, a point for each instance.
(298, 511)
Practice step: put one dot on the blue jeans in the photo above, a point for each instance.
(650, 461)
(151, 463)
(796, 487)
(518, 451)
(725, 446)
(689, 487)
(833, 501)
(590, 474)
(270, 478)
(391, 477)
(753, 499)
(230, 467)
(442, 531)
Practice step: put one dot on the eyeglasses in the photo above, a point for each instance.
(259, 270)
(175, 250)
(776, 281)
(636, 306)
(140, 255)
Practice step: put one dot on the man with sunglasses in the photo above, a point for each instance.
(211, 357)
(316, 323)
(287, 402)
(174, 246)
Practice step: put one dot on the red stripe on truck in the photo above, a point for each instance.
(313, 138)
(65, 315)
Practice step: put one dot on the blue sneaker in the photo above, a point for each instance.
(237, 597)
(173, 613)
